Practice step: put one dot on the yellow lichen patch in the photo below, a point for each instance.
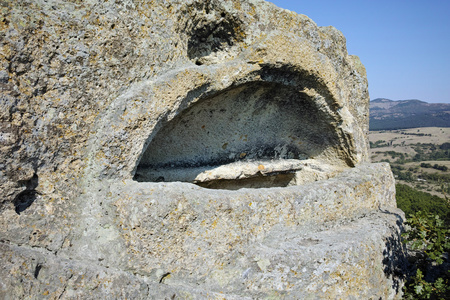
(244, 137)
(214, 224)
(261, 167)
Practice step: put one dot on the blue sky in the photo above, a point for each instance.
(404, 44)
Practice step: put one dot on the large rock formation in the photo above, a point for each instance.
(193, 149)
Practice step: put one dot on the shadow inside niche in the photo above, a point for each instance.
(257, 126)
(278, 180)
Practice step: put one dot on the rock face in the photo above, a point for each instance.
(187, 149)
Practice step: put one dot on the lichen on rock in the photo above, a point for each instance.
(187, 149)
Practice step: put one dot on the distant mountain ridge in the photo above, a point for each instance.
(390, 114)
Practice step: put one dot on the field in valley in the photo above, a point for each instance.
(419, 157)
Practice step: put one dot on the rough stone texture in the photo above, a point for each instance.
(337, 238)
(102, 102)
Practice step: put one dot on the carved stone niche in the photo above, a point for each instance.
(256, 134)
(240, 96)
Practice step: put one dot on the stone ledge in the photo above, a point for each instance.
(342, 262)
(302, 171)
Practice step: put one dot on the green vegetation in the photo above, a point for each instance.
(378, 144)
(428, 234)
(394, 155)
(439, 178)
(417, 134)
(435, 166)
(387, 122)
(424, 152)
(430, 152)
(438, 181)
(411, 175)
(427, 227)
(412, 201)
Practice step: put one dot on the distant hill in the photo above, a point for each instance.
(389, 114)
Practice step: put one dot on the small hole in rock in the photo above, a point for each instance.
(37, 270)
(214, 36)
(163, 277)
(24, 200)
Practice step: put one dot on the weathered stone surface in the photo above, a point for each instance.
(111, 116)
(326, 239)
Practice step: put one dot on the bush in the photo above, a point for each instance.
(435, 166)
(445, 146)
(430, 235)
(427, 234)
(436, 177)
(378, 144)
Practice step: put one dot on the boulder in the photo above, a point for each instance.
(187, 149)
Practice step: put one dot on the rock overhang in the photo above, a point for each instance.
(290, 112)
(255, 123)
(315, 63)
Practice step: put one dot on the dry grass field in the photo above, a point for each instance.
(401, 140)
(417, 156)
